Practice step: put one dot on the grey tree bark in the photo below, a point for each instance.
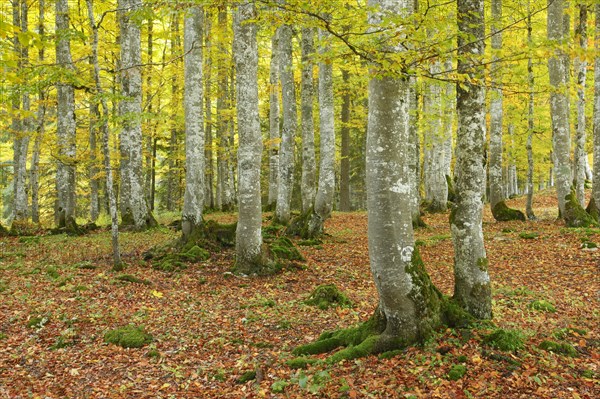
(21, 126)
(248, 234)
(149, 139)
(208, 145)
(326, 186)
(289, 128)
(309, 165)
(345, 203)
(530, 118)
(65, 175)
(172, 193)
(134, 210)
(596, 122)
(472, 288)
(93, 167)
(580, 138)
(561, 140)
(496, 109)
(41, 127)
(104, 129)
(274, 111)
(414, 155)
(193, 200)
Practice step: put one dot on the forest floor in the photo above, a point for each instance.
(210, 327)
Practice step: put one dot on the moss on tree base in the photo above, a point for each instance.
(502, 213)
(575, 215)
(326, 296)
(592, 210)
(307, 226)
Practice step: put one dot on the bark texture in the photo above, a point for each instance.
(274, 111)
(530, 119)
(559, 108)
(496, 109)
(596, 180)
(134, 210)
(472, 282)
(289, 128)
(345, 203)
(193, 201)
(249, 258)
(309, 165)
(580, 138)
(65, 175)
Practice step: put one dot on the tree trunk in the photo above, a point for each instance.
(134, 210)
(530, 119)
(345, 203)
(149, 139)
(496, 109)
(290, 126)
(309, 166)
(596, 180)
(561, 140)
(21, 126)
(65, 175)
(249, 259)
(581, 70)
(326, 188)
(172, 197)
(414, 153)
(222, 118)
(472, 282)
(41, 124)
(112, 204)
(208, 152)
(193, 201)
(273, 120)
(93, 168)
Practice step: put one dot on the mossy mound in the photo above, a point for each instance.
(326, 296)
(308, 225)
(456, 372)
(301, 362)
(247, 376)
(194, 254)
(129, 336)
(575, 215)
(272, 231)
(562, 348)
(529, 236)
(128, 222)
(283, 249)
(132, 279)
(542, 305)
(21, 228)
(169, 263)
(505, 340)
(592, 210)
(503, 213)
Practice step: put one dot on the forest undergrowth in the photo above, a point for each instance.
(208, 333)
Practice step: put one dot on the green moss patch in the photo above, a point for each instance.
(563, 333)
(542, 305)
(129, 336)
(132, 279)
(194, 254)
(562, 348)
(529, 235)
(38, 321)
(575, 215)
(247, 376)
(503, 213)
(456, 372)
(300, 362)
(283, 249)
(326, 296)
(505, 340)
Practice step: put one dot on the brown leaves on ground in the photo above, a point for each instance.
(210, 327)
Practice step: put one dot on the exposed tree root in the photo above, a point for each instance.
(503, 213)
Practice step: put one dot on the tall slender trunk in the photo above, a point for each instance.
(172, 197)
(345, 202)
(41, 124)
(65, 176)
(193, 203)
(309, 166)
(104, 129)
(289, 129)
(93, 167)
(274, 111)
(557, 68)
(208, 131)
(414, 153)
(496, 109)
(21, 126)
(326, 188)
(472, 288)
(530, 118)
(149, 139)
(222, 119)
(249, 259)
(596, 180)
(134, 210)
(581, 70)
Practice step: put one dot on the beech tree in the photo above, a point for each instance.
(134, 210)
(193, 201)
(65, 175)
(309, 166)
(249, 257)
(273, 120)
(472, 289)
(596, 122)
